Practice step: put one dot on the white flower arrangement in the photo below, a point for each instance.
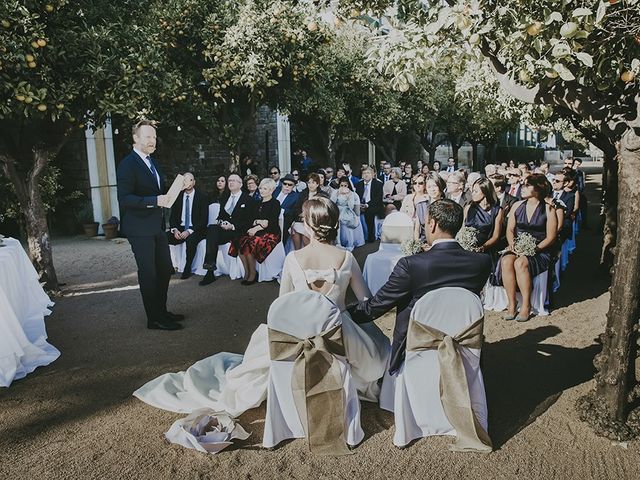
(467, 237)
(525, 244)
(411, 247)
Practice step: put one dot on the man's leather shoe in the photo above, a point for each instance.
(208, 278)
(164, 326)
(186, 274)
(174, 317)
(207, 266)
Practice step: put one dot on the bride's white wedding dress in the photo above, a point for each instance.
(234, 383)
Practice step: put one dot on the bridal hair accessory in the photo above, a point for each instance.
(206, 430)
(467, 237)
(454, 387)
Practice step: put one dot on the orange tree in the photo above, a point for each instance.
(65, 65)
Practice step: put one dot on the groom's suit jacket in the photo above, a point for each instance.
(445, 264)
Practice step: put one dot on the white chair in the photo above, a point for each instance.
(271, 268)
(397, 228)
(282, 418)
(417, 405)
(495, 297)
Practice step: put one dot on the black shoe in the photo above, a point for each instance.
(248, 282)
(167, 325)
(185, 275)
(208, 266)
(208, 278)
(174, 317)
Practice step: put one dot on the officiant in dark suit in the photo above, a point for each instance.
(234, 219)
(140, 187)
(445, 264)
(188, 220)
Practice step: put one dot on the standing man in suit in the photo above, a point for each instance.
(455, 189)
(451, 165)
(234, 219)
(445, 264)
(188, 220)
(140, 188)
(370, 192)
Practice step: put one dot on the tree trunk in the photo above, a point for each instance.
(475, 164)
(389, 149)
(610, 210)
(616, 376)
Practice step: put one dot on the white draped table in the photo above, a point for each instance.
(23, 306)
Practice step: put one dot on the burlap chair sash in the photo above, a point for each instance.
(316, 384)
(454, 389)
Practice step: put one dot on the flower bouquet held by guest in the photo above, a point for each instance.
(348, 203)
(299, 235)
(262, 237)
(534, 215)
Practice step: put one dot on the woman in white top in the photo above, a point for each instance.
(235, 383)
(394, 190)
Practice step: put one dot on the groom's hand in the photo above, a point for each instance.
(358, 315)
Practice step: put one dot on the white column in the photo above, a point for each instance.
(284, 143)
(102, 173)
(371, 153)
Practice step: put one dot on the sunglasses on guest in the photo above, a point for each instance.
(555, 180)
(274, 173)
(418, 183)
(287, 184)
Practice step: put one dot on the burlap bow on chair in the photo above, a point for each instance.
(317, 386)
(454, 389)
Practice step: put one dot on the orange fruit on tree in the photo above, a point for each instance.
(41, 42)
(41, 107)
(628, 76)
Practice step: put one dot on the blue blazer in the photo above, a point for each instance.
(137, 192)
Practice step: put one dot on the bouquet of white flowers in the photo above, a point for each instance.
(411, 247)
(525, 244)
(467, 237)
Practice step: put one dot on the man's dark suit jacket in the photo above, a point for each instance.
(507, 202)
(199, 212)
(242, 215)
(137, 192)
(376, 205)
(465, 199)
(445, 264)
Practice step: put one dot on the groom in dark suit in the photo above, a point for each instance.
(188, 220)
(140, 187)
(235, 218)
(445, 264)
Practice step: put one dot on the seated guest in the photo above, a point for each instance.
(394, 190)
(370, 192)
(490, 169)
(407, 176)
(262, 237)
(566, 200)
(534, 215)
(340, 172)
(455, 188)
(299, 184)
(188, 220)
(323, 184)
(513, 178)
(348, 204)
(288, 199)
(435, 166)
(415, 205)
(328, 177)
(425, 169)
(451, 165)
(470, 180)
(274, 174)
(221, 189)
(299, 235)
(484, 214)
(251, 187)
(500, 184)
(445, 264)
(571, 188)
(385, 174)
(234, 219)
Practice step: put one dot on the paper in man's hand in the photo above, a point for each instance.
(176, 187)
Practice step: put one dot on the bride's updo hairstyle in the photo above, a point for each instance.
(321, 216)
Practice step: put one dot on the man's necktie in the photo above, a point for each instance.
(153, 170)
(187, 213)
(232, 205)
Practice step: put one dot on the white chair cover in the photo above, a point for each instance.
(379, 265)
(417, 406)
(304, 315)
(271, 268)
(495, 298)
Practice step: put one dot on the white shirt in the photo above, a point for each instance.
(557, 194)
(281, 197)
(146, 161)
(443, 240)
(451, 169)
(233, 200)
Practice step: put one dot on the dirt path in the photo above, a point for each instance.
(77, 418)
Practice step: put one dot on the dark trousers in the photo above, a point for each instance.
(191, 241)
(217, 236)
(370, 221)
(154, 271)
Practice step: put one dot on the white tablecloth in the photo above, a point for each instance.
(23, 305)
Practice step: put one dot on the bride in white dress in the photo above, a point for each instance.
(234, 383)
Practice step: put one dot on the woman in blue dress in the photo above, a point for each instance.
(535, 215)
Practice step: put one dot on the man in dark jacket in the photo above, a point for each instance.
(445, 264)
(369, 190)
